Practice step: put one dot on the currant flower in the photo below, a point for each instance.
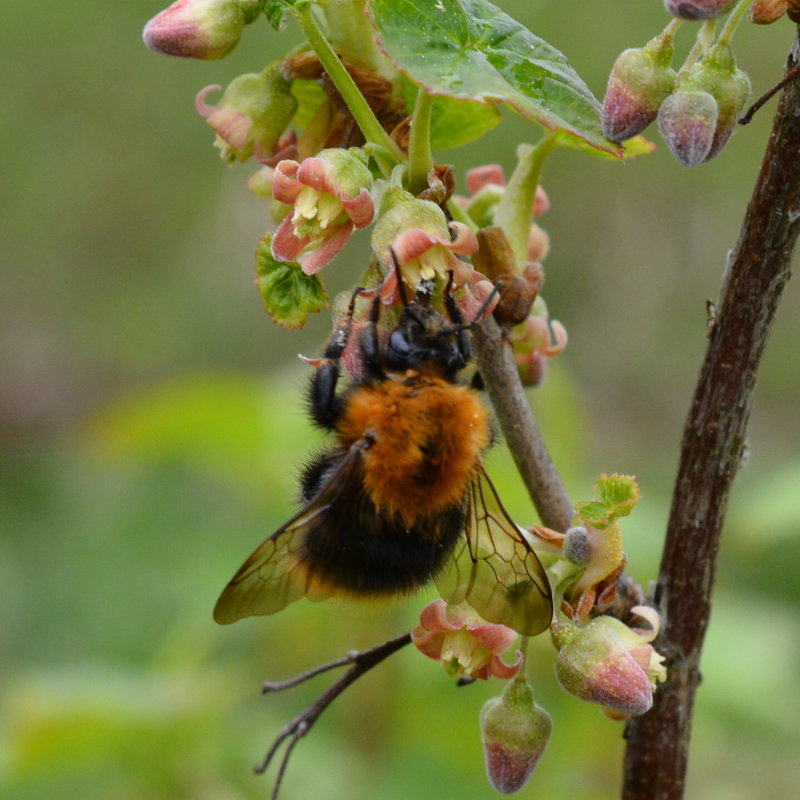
(329, 195)
(533, 346)
(466, 644)
(252, 115)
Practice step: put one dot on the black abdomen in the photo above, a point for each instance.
(365, 551)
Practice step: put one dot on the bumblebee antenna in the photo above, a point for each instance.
(401, 288)
(455, 314)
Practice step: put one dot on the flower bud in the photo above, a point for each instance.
(608, 663)
(204, 29)
(514, 731)
(640, 80)
(719, 75)
(687, 120)
(697, 9)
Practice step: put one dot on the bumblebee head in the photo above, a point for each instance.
(424, 339)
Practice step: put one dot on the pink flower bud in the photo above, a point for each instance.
(515, 731)
(697, 9)
(608, 663)
(204, 29)
(640, 80)
(687, 120)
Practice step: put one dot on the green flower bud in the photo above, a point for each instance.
(687, 120)
(640, 80)
(204, 29)
(719, 75)
(514, 731)
(697, 9)
(608, 663)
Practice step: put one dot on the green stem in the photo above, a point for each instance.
(460, 215)
(420, 158)
(513, 213)
(673, 26)
(705, 36)
(372, 129)
(734, 18)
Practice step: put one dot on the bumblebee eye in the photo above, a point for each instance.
(399, 345)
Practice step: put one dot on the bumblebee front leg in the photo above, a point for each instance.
(325, 405)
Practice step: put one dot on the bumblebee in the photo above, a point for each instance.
(401, 498)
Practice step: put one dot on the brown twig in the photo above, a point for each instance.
(712, 448)
(787, 78)
(499, 372)
(362, 661)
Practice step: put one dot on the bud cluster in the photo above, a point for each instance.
(698, 107)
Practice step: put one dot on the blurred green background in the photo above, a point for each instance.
(151, 427)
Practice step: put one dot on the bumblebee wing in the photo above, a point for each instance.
(274, 575)
(494, 568)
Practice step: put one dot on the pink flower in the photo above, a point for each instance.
(464, 643)
(416, 234)
(486, 185)
(252, 115)
(329, 195)
(533, 347)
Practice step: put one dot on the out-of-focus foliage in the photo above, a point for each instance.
(151, 425)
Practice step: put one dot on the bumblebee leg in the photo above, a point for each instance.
(464, 346)
(370, 346)
(324, 404)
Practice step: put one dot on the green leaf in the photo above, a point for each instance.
(470, 50)
(289, 294)
(275, 10)
(455, 122)
(636, 146)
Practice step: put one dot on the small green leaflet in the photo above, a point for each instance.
(289, 294)
(618, 496)
(471, 50)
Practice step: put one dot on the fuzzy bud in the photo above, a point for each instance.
(719, 75)
(608, 663)
(697, 9)
(515, 731)
(204, 29)
(640, 80)
(688, 121)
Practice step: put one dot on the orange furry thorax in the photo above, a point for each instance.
(427, 437)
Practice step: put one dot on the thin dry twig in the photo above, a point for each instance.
(363, 661)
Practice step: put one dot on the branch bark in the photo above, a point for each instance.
(500, 374)
(711, 453)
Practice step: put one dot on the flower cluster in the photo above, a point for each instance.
(698, 107)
